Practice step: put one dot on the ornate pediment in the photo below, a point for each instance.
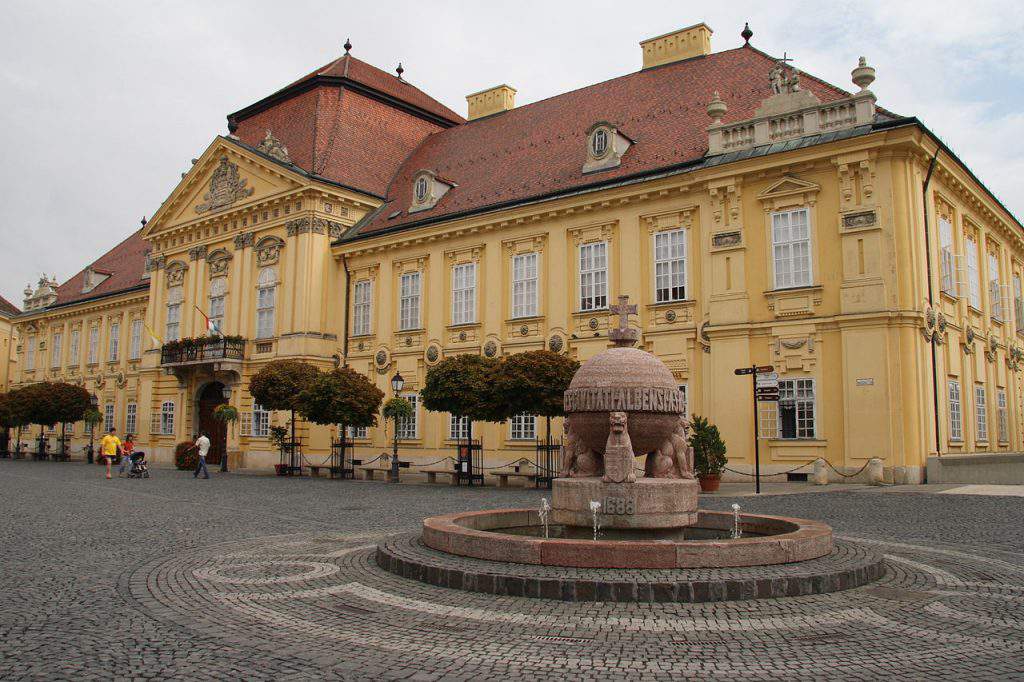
(217, 262)
(268, 251)
(789, 190)
(272, 147)
(226, 187)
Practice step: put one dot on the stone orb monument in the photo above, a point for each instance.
(624, 403)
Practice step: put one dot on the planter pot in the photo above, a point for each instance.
(710, 482)
(281, 469)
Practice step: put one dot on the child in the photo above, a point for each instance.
(127, 448)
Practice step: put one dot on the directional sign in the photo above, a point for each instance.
(765, 369)
(744, 370)
(766, 380)
(767, 397)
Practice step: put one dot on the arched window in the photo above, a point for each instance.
(218, 294)
(175, 295)
(266, 297)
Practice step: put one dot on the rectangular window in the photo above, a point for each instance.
(56, 346)
(266, 303)
(175, 295)
(130, 418)
(73, 348)
(791, 247)
(167, 418)
(30, 353)
(115, 342)
(218, 300)
(260, 421)
(670, 266)
(357, 432)
(458, 427)
(409, 427)
(686, 400)
(1004, 421)
(594, 276)
(361, 310)
(464, 293)
(108, 417)
(1018, 303)
(948, 260)
(524, 285)
(973, 274)
(981, 413)
(94, 345)
(135, 346)
(995, 291)
(956, 420)
(523, 427)
(796, 408)
(409, 302)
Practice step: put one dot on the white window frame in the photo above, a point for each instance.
(790, 393)
(175, 296)
(458, 427)
(108, 417)
(357, 432)
(669, 249)
(74, 348)
(135, 345)
(114, 342)
(131, 413)
(956, 415)
(522, 427)
(362, 308)
(30, 353)
(981, 413)
(409, 427)
(56, 347)
(266, 303)
(94, 345)
(409, 287)
(792, 260)
(167, 415)
(947, 257)
(1018, 302)
(973, 273)
(995, 289)
(1003, 415)
(593, 276)
(260, 421)
(524, 284)
(218, 301)
(685, 390)
(464, 294)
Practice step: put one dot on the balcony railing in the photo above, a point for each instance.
(189, 351)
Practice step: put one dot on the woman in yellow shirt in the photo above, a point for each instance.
(109, 447)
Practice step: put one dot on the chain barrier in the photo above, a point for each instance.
(780, 473)
(847, 475)
(522, 461)
(444, 459)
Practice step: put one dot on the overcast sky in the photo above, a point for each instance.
(105, 103)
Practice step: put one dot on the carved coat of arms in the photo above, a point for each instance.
(226, 187)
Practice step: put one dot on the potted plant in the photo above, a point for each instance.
(185, 456)
(708, 453)
(279, 436)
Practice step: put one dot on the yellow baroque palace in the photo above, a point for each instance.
(755, 214)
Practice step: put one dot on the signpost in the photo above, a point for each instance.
(765, 389)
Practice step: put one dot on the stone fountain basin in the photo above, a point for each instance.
(768, 540)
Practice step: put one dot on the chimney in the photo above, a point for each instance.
(692, 41)
(491, 101)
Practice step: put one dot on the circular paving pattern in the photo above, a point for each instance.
(937, 610)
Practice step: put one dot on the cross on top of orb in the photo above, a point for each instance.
(623, 335)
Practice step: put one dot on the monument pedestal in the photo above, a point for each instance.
(644, 503)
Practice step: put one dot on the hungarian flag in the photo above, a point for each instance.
(211, 326)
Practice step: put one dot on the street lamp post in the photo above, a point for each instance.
(397, 382)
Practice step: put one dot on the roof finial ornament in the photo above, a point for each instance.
(746, 34)
(144, 221)
(399, 70)
(863, 75)
(347, 45)
(717, 109)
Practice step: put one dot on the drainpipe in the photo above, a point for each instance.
(348, 290)
(931, 302)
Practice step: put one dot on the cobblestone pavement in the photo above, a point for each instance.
(260, 578)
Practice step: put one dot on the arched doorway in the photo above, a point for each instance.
(211, 396)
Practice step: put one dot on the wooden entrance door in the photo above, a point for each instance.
(216, 430)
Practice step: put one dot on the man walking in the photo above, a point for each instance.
(203, 446)
(109, 447)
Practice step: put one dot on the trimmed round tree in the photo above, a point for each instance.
(464, 385)
(342, 396)
(12, 416)
(535, 382)
(69, 403)
(39, 406)
(278, 384)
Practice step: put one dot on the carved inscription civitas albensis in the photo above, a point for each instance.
(226, 187)
(622, 399)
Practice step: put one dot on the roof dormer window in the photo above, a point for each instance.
(605, 147)
(427, 190)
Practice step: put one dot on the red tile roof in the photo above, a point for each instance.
(127, 264)
(348, 122)
(8, 309)
(539, 148)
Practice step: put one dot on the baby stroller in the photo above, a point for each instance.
(139, 467)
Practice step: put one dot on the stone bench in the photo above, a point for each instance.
(453, 476)
(370, 472)
(503, 477)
